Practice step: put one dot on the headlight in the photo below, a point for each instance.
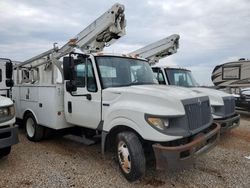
(4, 112)
(160, 123)
(7, 111)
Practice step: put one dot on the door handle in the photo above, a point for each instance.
(70, 107)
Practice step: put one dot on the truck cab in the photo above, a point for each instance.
(222, 104)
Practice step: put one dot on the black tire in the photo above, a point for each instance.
(5, 151)
(38, 132)
(136, 155)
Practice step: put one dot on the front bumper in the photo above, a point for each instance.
(228, 123)
(8, 136)
(175, 157)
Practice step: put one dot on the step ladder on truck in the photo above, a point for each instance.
(114, 96)
(8, 131)
(222, 104)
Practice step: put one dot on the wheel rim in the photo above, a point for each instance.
(124, 157)
(30, 127)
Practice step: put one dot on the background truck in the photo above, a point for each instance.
(8, 131)
(115, 97)
(222, 104)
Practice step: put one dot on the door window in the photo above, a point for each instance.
(91, 81)
(85, 75)
(159, 76)
(80, 75)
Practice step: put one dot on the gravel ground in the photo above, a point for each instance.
(62, 162)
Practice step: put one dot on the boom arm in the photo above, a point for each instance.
(102, 32)
(158, 50)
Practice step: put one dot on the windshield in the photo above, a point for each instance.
(119, 71)
(180, 77)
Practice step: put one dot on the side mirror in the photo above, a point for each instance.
(8, 70)
(9, 83)
(71, 86)
(68, 68)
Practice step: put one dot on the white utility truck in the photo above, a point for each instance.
(114, 96)
(222, 104)
(8, 131)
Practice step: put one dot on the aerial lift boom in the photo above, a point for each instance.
(160, 49)
(101, 33)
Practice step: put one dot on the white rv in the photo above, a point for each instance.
(114, 96)
(222, 104)
(234, 77)
(8, 131)
(233, 74)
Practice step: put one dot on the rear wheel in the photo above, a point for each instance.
(130, 156)
(5, 151)
(34, 131)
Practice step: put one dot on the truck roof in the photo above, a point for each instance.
(118, 55)
(170, 67)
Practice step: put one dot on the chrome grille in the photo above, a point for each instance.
(198, 114)
(229, 106)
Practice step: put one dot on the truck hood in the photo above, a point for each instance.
(215, 96)
(5, 101)
(151, 99)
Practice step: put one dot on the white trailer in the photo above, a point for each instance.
(8, 131)
(234, 77)
(116, 97)
(222, 104)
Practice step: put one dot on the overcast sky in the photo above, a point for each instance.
(211, 31)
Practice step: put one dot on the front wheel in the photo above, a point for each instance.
(130, 156)
(5, 151)
(34, 131)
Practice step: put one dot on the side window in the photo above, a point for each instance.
(25, 75)
(161, 79)
(1, 75)
(80, 75)
(85, 75)
(159, 76)
(91, 81)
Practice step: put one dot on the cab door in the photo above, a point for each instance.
(83, 107)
